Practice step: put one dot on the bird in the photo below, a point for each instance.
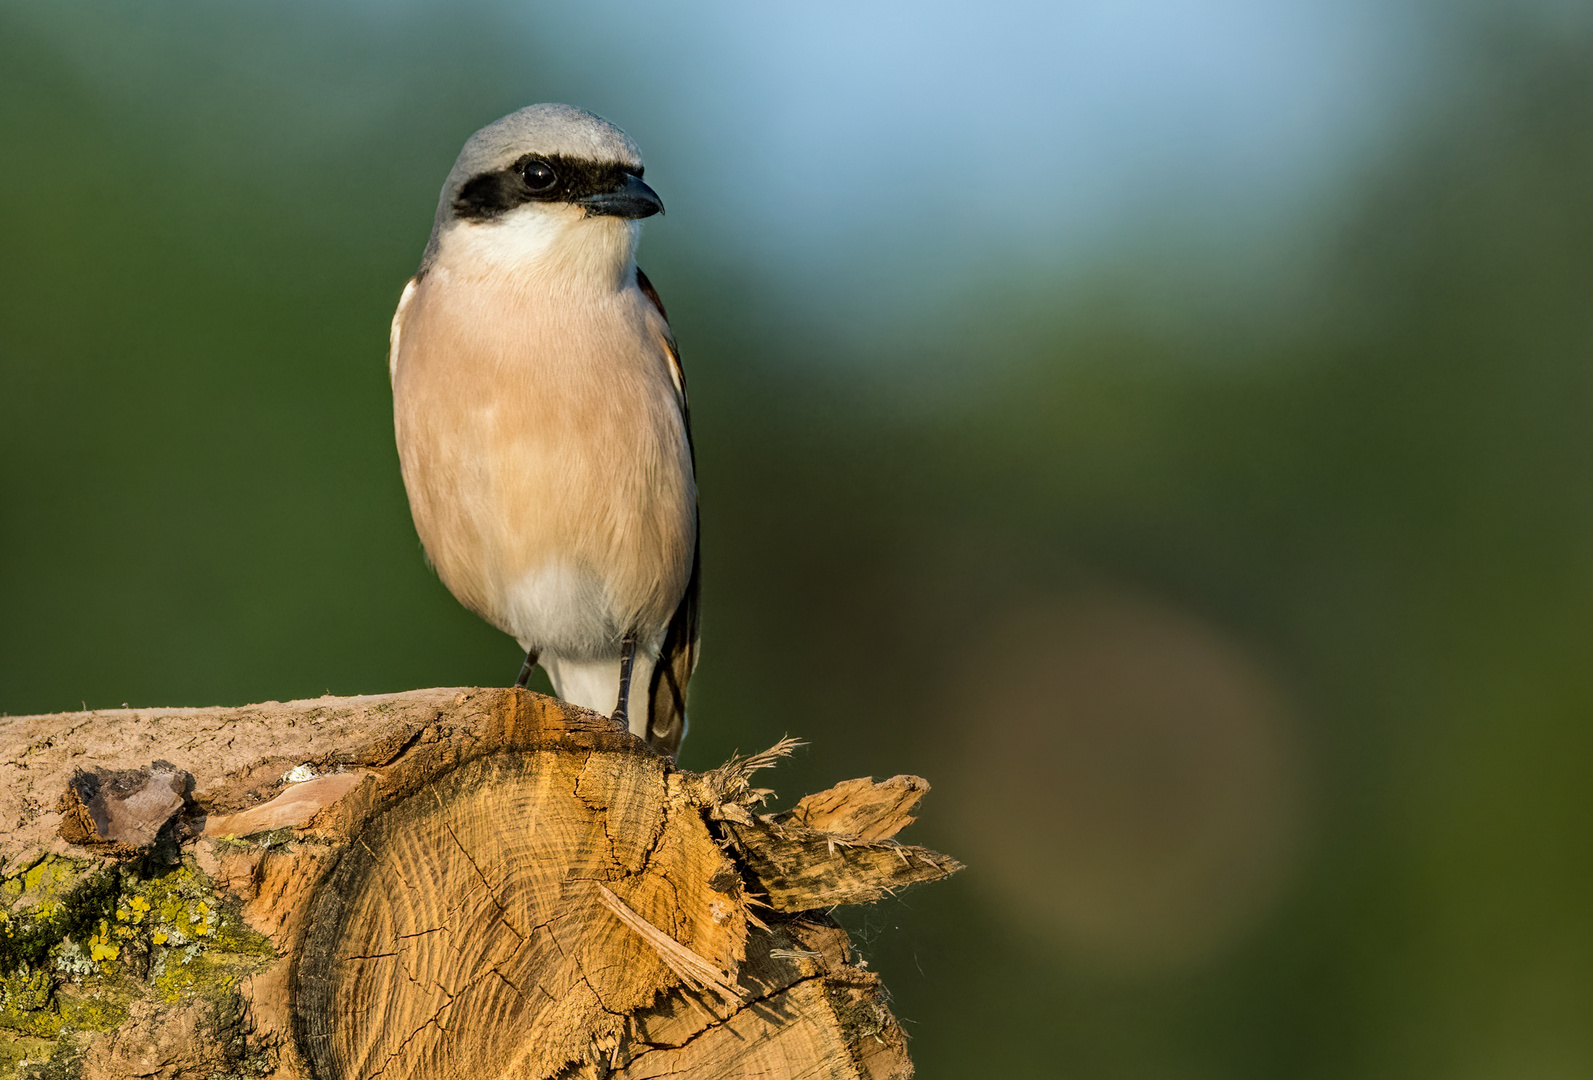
(540, 410)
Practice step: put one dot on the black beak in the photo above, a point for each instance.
(633, 199)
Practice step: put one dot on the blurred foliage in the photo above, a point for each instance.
(1378, 485)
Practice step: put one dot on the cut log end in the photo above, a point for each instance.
(469, 884)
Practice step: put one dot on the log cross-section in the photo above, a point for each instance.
(444, 884)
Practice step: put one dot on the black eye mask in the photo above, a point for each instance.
(538, 178)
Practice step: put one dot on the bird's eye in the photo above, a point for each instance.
(539, 176)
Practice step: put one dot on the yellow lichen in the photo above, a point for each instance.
(101, 948)
(81, 944)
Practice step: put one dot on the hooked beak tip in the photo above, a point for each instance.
(633, 200)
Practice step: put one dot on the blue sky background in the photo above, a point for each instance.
(831, 143)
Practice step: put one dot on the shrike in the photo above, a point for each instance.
(540, 408)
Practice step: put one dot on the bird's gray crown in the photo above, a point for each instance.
(556, 130)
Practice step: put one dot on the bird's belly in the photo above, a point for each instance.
(574, 544)
(547, 464)
(565, 535)
(565, 609)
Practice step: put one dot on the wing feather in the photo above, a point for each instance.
(678, 659)
(398, 328)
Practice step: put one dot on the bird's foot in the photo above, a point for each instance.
(627, 661)
(525, 669)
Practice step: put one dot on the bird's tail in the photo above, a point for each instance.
(677, 659)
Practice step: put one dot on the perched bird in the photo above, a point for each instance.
(540, 409)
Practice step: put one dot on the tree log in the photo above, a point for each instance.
(443, 884)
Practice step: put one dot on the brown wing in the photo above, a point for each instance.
(666, 721)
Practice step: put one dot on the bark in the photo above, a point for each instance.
(441, 883)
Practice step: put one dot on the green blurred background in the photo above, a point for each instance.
(1164, 426)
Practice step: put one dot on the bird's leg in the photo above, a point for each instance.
(627, 660)
(525, 669)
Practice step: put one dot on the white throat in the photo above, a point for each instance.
(556, 243)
